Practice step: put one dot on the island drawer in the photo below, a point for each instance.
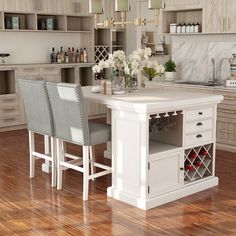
(198, 138)
(199, 114)
(197, 126)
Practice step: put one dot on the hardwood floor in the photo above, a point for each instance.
(32, 207)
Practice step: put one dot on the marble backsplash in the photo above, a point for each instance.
(193, 54)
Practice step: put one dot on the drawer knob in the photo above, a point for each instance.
(182, 169)
(199, 124)
(199, 136)
(200, 113)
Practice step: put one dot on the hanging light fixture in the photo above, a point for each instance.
(122, 6)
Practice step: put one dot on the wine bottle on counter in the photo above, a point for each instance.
(81, 55)
(62, 55)
(66, 57)
(58, 57)
(73, 55)
(53, 56)
(69, 55)
(77, 56)
(85, 55)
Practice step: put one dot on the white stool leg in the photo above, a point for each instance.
(54, 161)
(31, 150)
(59, 167)
(46, 166)
(92, 160)
(86, 172)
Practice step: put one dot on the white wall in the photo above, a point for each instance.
(35, 47)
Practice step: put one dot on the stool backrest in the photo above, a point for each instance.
(69, 114)
(37, 106)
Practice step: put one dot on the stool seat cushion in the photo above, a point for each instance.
(99, 133)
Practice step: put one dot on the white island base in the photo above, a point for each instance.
(163, 145)
(146, 204)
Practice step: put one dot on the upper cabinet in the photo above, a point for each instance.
(47, 6)
(219, 16)
(73, 7)
(231, 16)
(182, 4)
(214, 16)
(18, 5)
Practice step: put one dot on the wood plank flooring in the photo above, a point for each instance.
(32, 207)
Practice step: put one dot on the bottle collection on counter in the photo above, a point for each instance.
(69, 56)
(185, 28)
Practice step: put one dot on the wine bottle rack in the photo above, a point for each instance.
(101, 53)
(198, 163)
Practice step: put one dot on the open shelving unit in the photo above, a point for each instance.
(180, 17)
(198, 163)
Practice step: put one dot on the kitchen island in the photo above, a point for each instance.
(163, 144)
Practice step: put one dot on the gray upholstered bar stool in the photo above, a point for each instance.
(72, 125)
(39, 120)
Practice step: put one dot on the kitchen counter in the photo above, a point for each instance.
(154, 135)
(180, 85)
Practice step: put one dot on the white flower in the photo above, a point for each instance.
(96, 69)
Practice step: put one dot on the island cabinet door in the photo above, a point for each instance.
(165, 173)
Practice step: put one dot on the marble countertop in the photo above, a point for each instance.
(201, 87)
(148, 100)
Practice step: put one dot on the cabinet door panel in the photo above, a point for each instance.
(165, 174)
(214, 16)
(1, 5)
(25, 5)
(231, 13)
(52, 6)
(9, 5)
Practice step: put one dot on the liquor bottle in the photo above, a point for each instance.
(58, 57)
(73, 56)
(69, 55)
(81, 55)
(53, 56)
(66, 57)
(77, 56)
(85, 55)
(62, 55)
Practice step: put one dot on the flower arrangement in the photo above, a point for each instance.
(153, 69)
(130, 66)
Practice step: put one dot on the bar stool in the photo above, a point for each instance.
(72, 125)
(39, 120)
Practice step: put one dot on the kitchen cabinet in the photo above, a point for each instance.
(47, 6)
(219, 16)
(19, 5)
(165, 172)
(73, 7)
(182, 4)
(231, 16)
(214, 14)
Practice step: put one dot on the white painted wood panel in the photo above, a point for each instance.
(183, 4)
(165, 174)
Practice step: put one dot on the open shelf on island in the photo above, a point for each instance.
(165, 132)
(157, 147)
